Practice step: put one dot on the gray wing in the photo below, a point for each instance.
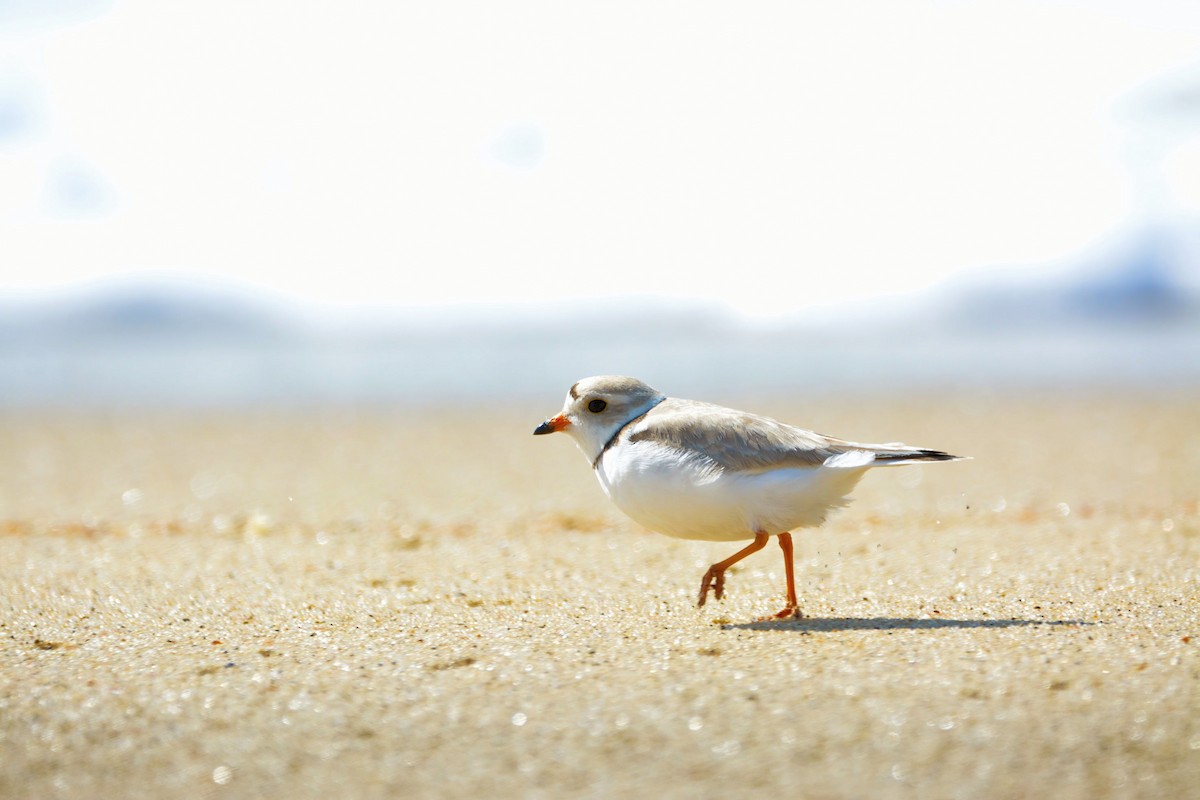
(743, 442)
(736, 440)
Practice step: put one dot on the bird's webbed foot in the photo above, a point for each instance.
(714, 579)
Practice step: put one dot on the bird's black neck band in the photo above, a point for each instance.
(617, 435)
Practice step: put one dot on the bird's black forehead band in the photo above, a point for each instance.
(574, 391)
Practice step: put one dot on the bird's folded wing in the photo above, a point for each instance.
(738, 441)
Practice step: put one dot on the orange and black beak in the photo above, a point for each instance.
(552, 425)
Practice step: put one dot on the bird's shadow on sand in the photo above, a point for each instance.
(834, 624)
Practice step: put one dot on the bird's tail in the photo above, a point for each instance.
(892, 456)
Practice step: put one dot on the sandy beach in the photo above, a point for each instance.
(410, 603)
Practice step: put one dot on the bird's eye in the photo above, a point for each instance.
(596, 406)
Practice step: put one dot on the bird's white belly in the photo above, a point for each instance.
(687, 497)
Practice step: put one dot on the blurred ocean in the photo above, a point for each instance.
(163, 345)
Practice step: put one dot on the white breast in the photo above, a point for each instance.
(688, 497)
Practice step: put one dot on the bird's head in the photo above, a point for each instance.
(596, 408)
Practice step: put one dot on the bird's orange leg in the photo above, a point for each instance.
(793, 605)
(715, 577)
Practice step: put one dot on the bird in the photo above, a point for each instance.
(694, 470)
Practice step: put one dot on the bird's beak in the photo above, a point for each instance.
(552, 425)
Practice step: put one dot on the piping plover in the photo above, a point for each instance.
(699, 471)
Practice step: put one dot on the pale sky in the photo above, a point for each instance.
(773, 155)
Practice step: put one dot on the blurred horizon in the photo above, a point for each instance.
(194, 344)
(238, 204)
